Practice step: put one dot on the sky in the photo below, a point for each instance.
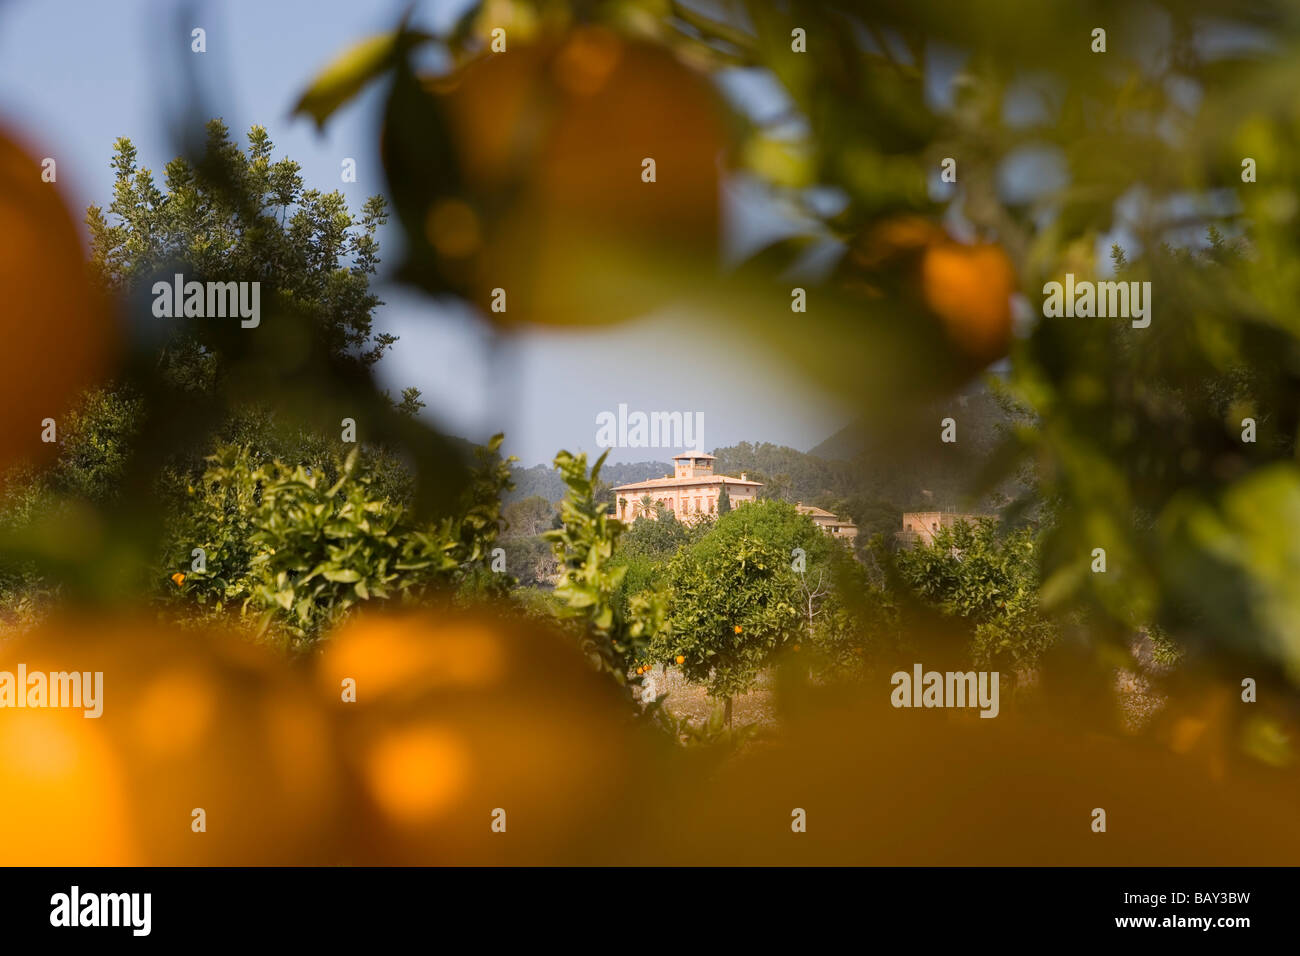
(76, 75)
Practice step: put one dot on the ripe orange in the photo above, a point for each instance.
(681, 659)
(739, 629)
(57, 335)
(551, 141)
(969, 288)
(457, 714)
(202, 722)
(178, 578)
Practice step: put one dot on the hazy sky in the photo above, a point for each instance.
(74, 76)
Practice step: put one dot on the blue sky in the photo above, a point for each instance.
(76, 75)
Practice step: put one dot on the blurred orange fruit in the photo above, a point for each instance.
(438, 745)
(739, 629)
(188, 722)
(178, 578)
(63, 793)
(552, 141)
(681, 659)
(58, 337)
(415, 773)
(969, 288)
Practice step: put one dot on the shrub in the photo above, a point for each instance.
(299, 551)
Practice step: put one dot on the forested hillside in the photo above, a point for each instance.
(868, 474)
(545, 481)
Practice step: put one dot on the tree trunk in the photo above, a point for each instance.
(726, 711)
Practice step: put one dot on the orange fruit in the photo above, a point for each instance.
(681, 659)
(64, 799)
(187, 721)
(551, 141)
(58, 337)
(969, 288)
(178, 578)
(459, 715)
(739, 629)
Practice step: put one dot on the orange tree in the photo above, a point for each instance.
(736, 596)
(953, 158)
(986, 581)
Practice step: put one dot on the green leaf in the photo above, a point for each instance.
(352, 70)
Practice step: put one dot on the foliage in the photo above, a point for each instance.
(527, 517)
(712, 733)
(88, 470)
(187, 385)
(545, 482)
(242, 216)
(531, 560)
(93, 445)
(617, 631)
(989, 581)
(300, 549)
(1133, 439)
(660, 536)
(851, 621)
(735, 596)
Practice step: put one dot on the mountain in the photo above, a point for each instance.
(907, 463)
(869, 475)
(545, 481)
(845, 445)
(786, 472)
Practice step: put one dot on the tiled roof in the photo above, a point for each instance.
(815, 513)
(686, 482)
(810, 510)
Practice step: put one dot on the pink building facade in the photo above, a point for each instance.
(692, 491)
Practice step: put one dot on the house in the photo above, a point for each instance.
(920, 526)
(834, 526)
(692, 490)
